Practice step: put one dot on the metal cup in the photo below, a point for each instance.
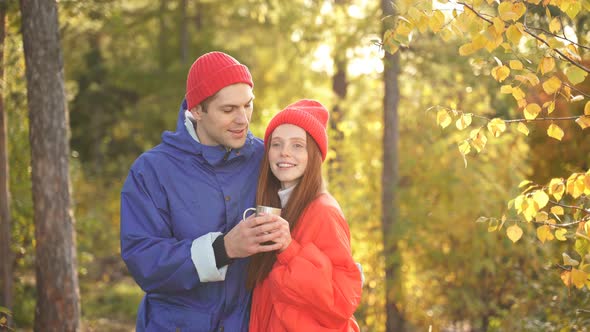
(262, 209)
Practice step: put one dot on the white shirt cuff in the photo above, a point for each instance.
(203, 258)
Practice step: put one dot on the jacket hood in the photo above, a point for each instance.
(183, 141)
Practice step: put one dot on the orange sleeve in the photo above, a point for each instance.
(319, 276)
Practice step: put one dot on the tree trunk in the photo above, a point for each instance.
(390, 208)
(163, 37)
(339, 85)
(5, 232)
(58, 304)
(184, 38)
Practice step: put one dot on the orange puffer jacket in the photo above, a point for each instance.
(314, 284)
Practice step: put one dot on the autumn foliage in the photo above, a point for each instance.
(534, 52)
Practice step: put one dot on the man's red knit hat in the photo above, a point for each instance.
(308, 114)
(212, 72)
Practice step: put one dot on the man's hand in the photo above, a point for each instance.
(246, 238)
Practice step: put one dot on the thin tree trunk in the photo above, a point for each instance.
(184, 39)
(162, 45)
(58, 300)
(390, 209)
(339, 85)
(5, 232)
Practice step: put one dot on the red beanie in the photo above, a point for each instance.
(307, 114)
(212, 72)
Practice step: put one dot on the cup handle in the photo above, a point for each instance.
(246, 211)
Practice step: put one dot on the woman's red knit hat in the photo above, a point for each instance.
(308, 114)
(212, 72)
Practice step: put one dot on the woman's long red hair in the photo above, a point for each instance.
(309, 186)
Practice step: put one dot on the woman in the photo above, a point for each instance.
(312, 282)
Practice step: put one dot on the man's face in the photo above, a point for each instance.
(227, 118)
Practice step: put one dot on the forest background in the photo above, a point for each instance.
(125, 67)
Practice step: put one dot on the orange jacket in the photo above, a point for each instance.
(314, 284)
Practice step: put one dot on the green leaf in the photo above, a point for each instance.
(575, 75)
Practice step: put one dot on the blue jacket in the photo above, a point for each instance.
(175, 193)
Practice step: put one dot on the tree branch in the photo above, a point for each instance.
(532, 34)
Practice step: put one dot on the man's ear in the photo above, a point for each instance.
(197, 112)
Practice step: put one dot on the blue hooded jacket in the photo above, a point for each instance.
(175, 193)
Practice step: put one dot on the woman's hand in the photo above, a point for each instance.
(283, 234)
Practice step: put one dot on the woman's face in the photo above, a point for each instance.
(288, 154)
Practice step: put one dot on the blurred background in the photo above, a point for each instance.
(125, 69)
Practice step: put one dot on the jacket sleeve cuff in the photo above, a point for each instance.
(288, 254)
(203, 258)
(221, 258)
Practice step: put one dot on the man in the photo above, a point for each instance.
(182, 202)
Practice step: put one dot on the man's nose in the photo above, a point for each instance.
(242, 115)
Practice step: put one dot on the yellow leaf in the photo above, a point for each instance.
(516, 65)
(390, 44)
(573, 9)
(514, 233)
(524, 183)
(479, 140)
(531, 209)
(511, 11)
(587, 108)
(513, 34)
(437, 21)
(542, 216)
(532, 78)
(493, 41)
(493, 225)
(544, 233)
(404, 28)
(571, 187)
(518, 203)
(546, 65)
(464, 147)
(500, 73)
(566, 277)
(497, 126)
(531, 111)
(521, 127)
(579, 278)
(463, 121)
(555, 25)
(479, 41)
(466, 49)
(560, 234)
(541, 198)
(583, 122)
(551, 85)
(556, 188)
(550, 107)
(506, 89)
(567, 260)
(443, 119)
(557, 210)
(579, 186)
(499, 25)
(517, 93)
(555, 131)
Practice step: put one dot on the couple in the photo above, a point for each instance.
(182, 234)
